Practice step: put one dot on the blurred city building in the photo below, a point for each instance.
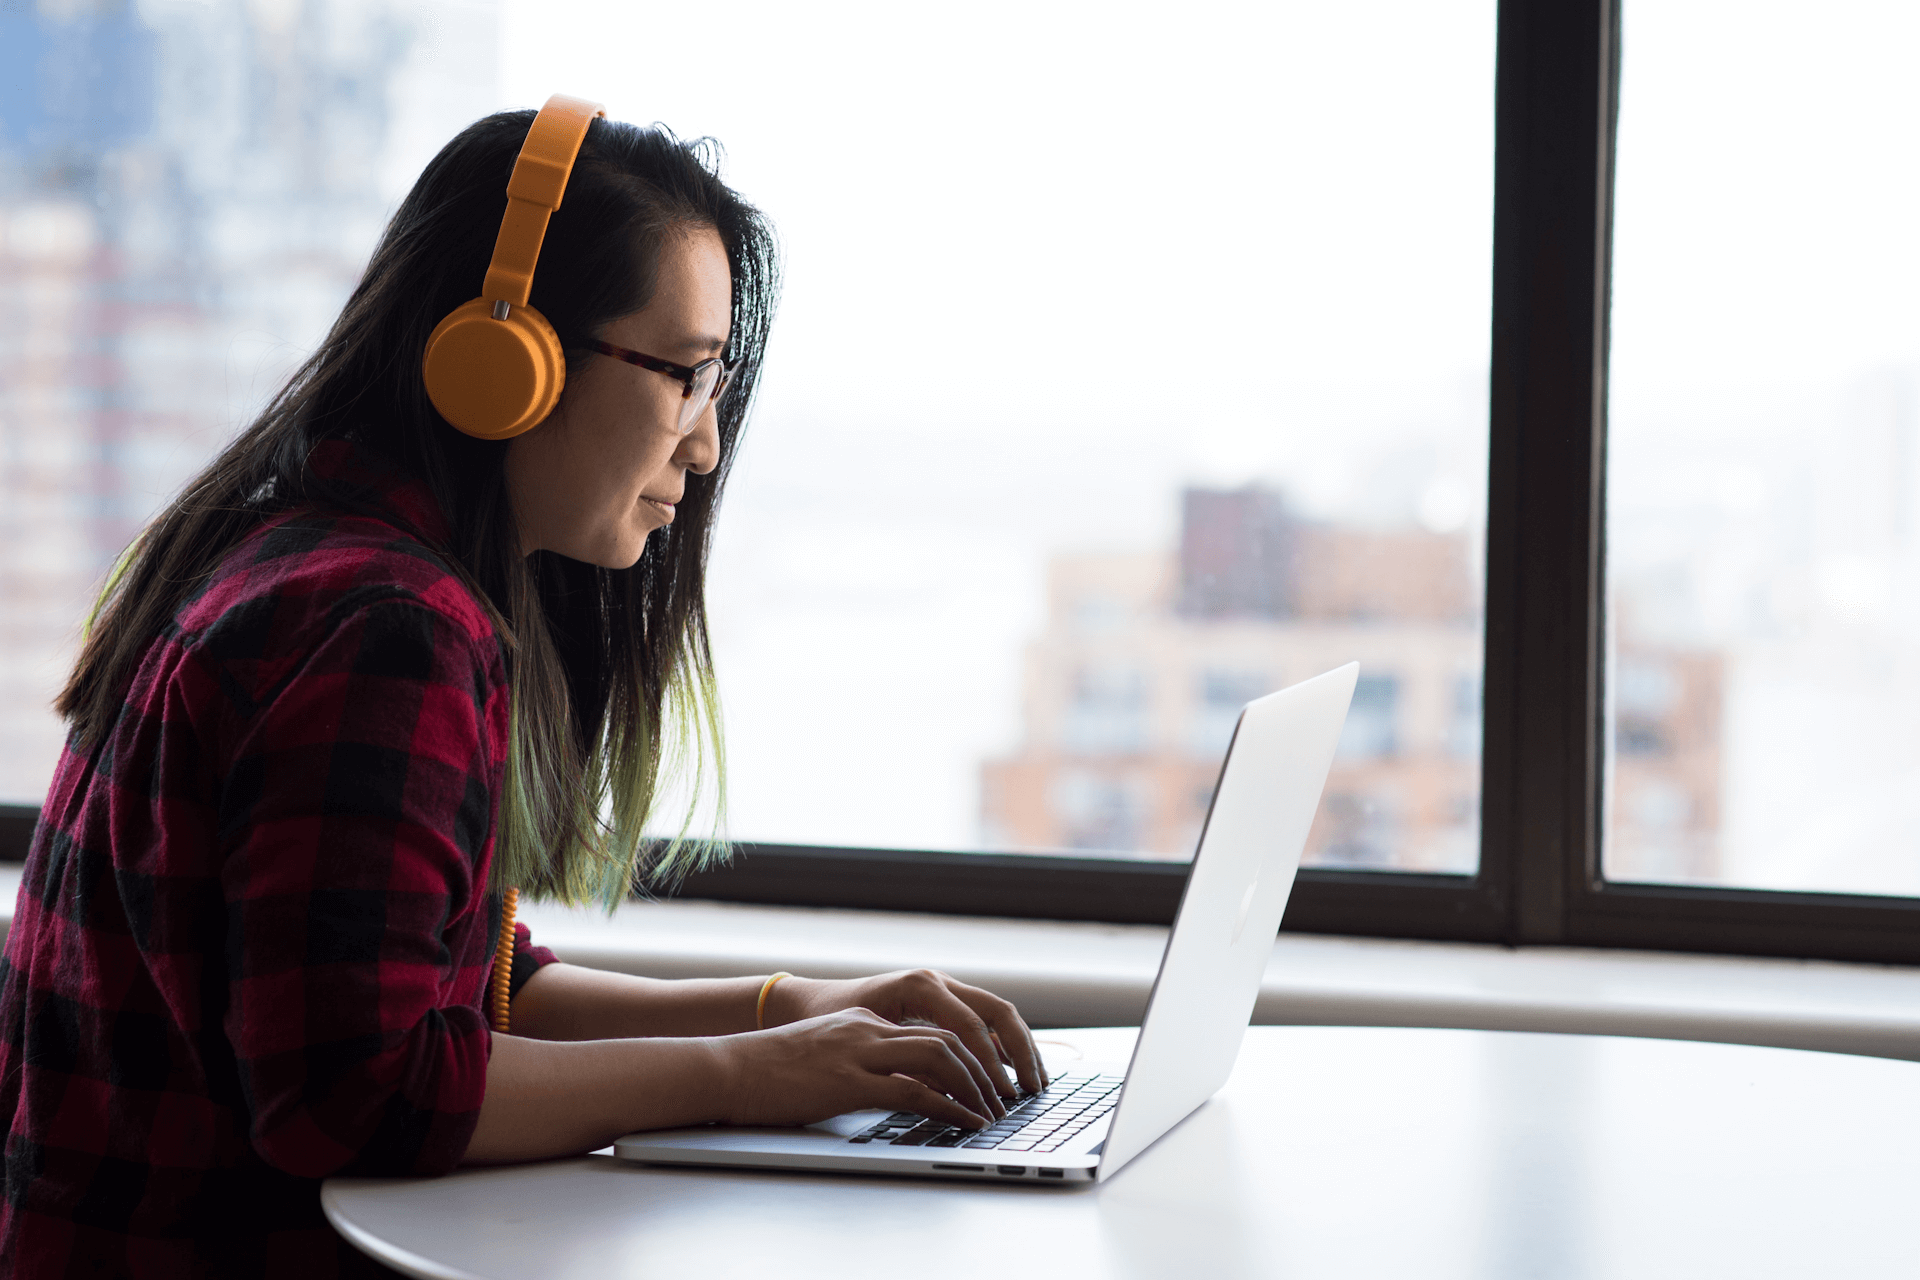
(1666, 783)
(188, 192)
(1133, 690)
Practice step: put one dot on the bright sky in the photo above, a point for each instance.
(1767, 210)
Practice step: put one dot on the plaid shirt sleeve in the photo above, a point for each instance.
(355, 822)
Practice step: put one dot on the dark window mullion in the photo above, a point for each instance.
(1553, 125)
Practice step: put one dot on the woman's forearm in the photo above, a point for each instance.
(596, 1055)
(548, 1098)
(566, 1002)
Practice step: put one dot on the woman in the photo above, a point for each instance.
(363, 675)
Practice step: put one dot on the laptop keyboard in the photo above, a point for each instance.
(1037, 1122)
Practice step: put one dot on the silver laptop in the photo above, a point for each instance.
(1093, 1119)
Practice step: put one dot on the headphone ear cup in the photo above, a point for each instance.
(494, 378)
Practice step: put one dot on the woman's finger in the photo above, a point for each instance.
(945, 1049)
(992, 1081)
(903, 1093)
(956, 1016)
(928, 1055)
(1009, 1032)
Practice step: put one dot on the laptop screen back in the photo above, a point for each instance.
(1223, 933)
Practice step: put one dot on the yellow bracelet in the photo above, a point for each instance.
(760, 1009)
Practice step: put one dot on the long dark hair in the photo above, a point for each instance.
(611, 669)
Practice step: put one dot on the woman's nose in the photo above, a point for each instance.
(699, 452)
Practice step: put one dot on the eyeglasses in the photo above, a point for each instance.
(703, 383)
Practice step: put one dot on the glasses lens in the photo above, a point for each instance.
(706, 385)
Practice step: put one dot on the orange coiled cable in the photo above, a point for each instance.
(499, 989)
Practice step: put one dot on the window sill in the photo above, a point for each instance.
(1065, 974)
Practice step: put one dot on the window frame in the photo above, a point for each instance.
(1544, 732)
(1557, 102)
(1539, 880)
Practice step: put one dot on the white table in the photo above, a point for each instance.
(1333, 1152)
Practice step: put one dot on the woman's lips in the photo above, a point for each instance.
(664, 508)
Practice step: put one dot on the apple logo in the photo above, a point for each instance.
(1240, 916)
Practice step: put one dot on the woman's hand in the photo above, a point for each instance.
(988, 1028)
(852, 1060)
(611, 1054)
(559, 1097)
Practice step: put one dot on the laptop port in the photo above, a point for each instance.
(1053, 1173)
(962, 1168)
(1013, 1170)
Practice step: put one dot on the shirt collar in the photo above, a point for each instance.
(380, 483)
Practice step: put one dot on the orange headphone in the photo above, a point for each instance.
(494, 368)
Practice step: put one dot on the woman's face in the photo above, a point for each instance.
(608, 466)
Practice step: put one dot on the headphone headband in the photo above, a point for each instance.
(534, 192)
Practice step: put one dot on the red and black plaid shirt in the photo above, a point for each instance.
(253, 937)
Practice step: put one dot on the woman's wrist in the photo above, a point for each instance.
(766, 990)
(720, 1080)
(787, 1001)
(565, 1002)
(668, 1082)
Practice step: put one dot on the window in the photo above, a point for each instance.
(1551, 669)
(1145, 431)
(188, 192)
(1267, 338)
(1764, 482)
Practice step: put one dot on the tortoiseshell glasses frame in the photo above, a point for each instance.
(700, 384)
